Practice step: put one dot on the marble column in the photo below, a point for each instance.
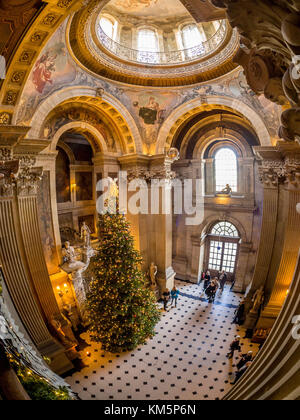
(242, 264)
(291, 241)
(209, 176)
(153, 232)
(270, 170)
(21, 254)
(274, 374)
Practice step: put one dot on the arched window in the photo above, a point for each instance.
(191, 36)
(226, 169)
(147, 40)
(147, 44)
(225, 229)
(223, 248)
(107, 26)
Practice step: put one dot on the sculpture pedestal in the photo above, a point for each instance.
(166, 280)
(75, 270)
(80, 293)
(155, 290)
(251, 320)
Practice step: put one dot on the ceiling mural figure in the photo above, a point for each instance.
(131, 4)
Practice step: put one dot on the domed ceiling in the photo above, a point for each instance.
(110, 57)
(150, 9)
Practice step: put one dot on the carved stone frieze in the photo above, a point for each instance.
(274, 172)
(18, 174)
(147, 175)
(271, 173)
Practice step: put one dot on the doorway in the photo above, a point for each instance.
(223, 248)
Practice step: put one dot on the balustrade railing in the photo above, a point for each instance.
(163, 58)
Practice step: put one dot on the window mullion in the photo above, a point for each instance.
(222, 256)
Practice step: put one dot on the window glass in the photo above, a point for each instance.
(226, 169)
(225, 229)
(107, 26)
(147, 40)
(191, 36)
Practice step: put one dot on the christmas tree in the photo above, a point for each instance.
(122, 311)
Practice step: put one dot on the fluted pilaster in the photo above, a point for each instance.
(270, 172)
(21, 252)
(35, 255)
(275, 373)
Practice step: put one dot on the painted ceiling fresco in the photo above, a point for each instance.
(55, 70)
(150, 8)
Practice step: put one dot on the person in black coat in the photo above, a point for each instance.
(212, 290)
(245, 358)
(222, 280)
(166, 298)
(207, 280)
(240, 372)
(234, 346)
(239, 315)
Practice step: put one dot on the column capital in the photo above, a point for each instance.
(147, 167)
(292, 173)
(18, 173)
(279, 164)
(271, 166)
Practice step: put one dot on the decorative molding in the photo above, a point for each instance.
(269, 53)
(31, 24)
(88, 52)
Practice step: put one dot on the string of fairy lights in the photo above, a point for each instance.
(31, 369)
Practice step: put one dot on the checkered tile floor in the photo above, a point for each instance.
(186, 360)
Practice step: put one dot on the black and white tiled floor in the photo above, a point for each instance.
(186, 360)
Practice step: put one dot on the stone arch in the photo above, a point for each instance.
(109, 105)
(205, 140)
(67, 150)
(80, 126)
(207, 224)
(188, 109)
(197, 240)
(212, 144)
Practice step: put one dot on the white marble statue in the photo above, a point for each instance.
(86, 235)
(71, 264)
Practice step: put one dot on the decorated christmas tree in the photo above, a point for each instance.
(122, 311)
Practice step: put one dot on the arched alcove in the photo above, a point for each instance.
(187, 111)
(106, 105)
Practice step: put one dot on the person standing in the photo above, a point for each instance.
(212, 290)
(166, 298)
(223, 280)
(239, 315)
(234, 346)
(174, 296)
(207, 279)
